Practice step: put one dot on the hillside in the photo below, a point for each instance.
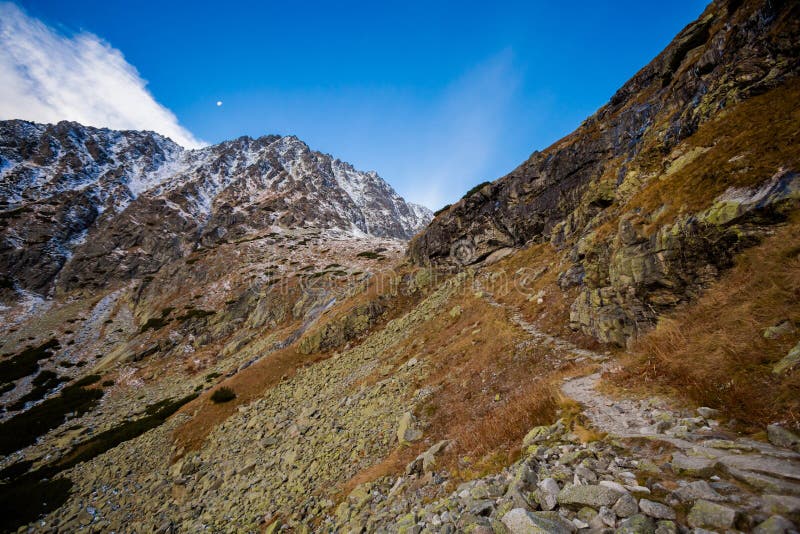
(255, 337)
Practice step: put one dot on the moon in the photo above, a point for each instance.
(219, 103)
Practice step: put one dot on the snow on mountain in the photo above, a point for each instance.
(67, 187)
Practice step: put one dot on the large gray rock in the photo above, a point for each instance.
(594, 496)
(693, 465)
(656, 509)
(407, 429)
(521, 521)
(637, 524)
(425, 462)
(626, 506)
(783, 437)
(774, 525)
(698, 489)
(706, 514)
(767, 465)
(785, 505)
(548, 492)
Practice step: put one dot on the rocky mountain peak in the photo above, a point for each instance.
(68, 191)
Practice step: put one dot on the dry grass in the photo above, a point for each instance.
(253, 382)
(490, 387)
(516, 288)
(248, 384)
(749, 143)
(713, 351)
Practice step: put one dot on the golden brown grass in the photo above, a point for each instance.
(248, 384)
(748, 142)
(713, 352)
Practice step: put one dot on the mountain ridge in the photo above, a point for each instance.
(84, 178)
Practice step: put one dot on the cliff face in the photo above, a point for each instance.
(85, 207)
(626, 195)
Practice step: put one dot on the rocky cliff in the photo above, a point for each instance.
(654, 194)
(91, 207)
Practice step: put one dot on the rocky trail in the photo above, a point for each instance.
(685, 472)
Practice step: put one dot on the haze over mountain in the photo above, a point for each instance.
(257, 337)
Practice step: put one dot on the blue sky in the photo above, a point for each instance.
(434, 96)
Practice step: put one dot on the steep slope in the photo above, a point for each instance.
(625, 196)
(105, 206)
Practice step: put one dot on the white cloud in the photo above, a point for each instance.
(49, 77)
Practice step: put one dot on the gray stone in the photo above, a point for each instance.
(789, 361)
(774, 525)
(407, 429)
(594, 496)
(706, 514)
(763, 464)
(782, 437)
(781, 505)
(607, 517)
(425, 462)
(783, 328)
(521, 521)
(616, 486)
(548, 491)
(626, 506)
(693, 465)
(765, 483)
(637, 524)
(708, 413)
(666, 527)
(698, 489)
(656, 509)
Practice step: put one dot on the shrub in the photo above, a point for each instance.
(475, 189)
(223, 394)
(441, 210)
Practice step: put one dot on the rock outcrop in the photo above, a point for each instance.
(591, 193)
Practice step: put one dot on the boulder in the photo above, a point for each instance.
(637, 524)
(425, 462)
(774, 525)
(626, 506)
(782, 437)
(521, 521)
(706, 514)
(693, 465)
(548, 492)
(407, 429)
(656, 509)
(593, 496)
